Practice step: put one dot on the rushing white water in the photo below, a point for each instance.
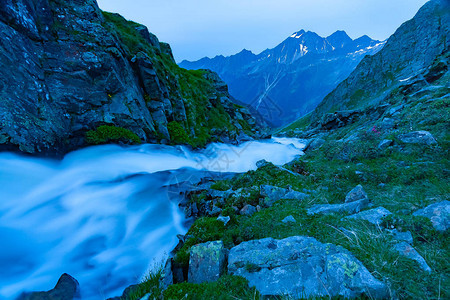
(103, 214)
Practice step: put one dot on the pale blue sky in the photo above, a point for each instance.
(198, 28)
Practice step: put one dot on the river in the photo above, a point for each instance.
(105, 214)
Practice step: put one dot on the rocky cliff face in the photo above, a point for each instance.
(413, 49)
(291, 79)
(67, 68)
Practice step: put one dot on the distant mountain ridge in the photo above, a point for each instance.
(291, 79)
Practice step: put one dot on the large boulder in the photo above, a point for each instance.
(67, 288)
(417, 137)
(248, 210)
(303, 266)
(207, 262)
(438, 213)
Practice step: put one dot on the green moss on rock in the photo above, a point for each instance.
(111, 134)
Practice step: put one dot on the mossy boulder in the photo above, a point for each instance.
(303, 266)
(207, 262)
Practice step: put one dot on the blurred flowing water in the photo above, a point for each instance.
(104, 214)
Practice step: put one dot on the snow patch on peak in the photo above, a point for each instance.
(298, 34)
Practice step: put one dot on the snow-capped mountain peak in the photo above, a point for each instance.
(298, 34)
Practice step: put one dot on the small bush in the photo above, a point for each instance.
(177, 133)
(221, 185)
(111, 134)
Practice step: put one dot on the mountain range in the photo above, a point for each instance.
(291, 79)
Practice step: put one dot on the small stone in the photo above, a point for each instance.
(248, 210)
(402, 236)
(351, 207)
(262, 163)
(167, 275)
(356, 194)
(374, 216)
(359, 173)
(438, 213)
(272, 194)
(223, 219)
(181, 238)
(382, 185)
(315, 144)
(146, 297)
(214, 211)
(385, 144)
(387, 123)
(289, 219)
(406, 250)
(417, 137)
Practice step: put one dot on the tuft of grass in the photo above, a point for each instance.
(227, 287)
(150, 284)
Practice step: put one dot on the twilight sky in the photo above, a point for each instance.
(198, 28)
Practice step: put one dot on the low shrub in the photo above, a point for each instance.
(111, 134)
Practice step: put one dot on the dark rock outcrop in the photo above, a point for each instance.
(67, 288)
(66, 68)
